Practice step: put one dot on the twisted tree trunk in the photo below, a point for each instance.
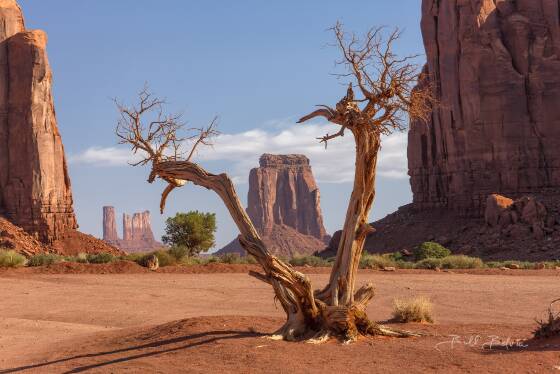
(308, 316)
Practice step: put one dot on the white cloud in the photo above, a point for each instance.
(241, 151)
(99, 156)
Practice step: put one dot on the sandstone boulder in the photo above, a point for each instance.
(496, 206)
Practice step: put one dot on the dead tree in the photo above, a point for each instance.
(338, 310)
(387, 100)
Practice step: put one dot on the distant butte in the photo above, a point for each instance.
(284, 205)
(137, 231)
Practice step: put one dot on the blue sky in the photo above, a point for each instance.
(257, 65)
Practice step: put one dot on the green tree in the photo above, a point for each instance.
(193, 230)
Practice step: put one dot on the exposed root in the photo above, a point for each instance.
(320, 338)
(385, 331)
(275, 337)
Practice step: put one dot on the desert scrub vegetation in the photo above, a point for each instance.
(235, 258)
(44, 259)
(312, 261)
(461, 262)
(100, 258)
(430, 250)
(11, 259)
(417, 309)
(511, 264)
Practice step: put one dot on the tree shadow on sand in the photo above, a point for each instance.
(207, 338)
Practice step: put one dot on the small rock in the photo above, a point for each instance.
(437, 269)
(504, 268)
(540, 266)
(389, 268)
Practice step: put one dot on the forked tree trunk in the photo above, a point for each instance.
(309, 315)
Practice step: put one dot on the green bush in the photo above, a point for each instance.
(100, 258)
(431, 250)
(44, 259)
(461, 262)
(429, 263)
(231, 258)
(369, 261)
(11, 259)
(164, 258)
(190, 260)
(179, 252)
(405, 264)
(312, 261)
(193, 230)
(396, 256)
(494, 264)
(134, 257)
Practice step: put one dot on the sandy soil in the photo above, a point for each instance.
(171, 322)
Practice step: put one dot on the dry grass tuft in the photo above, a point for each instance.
(417, 309)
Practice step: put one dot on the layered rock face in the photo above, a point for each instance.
(137, 231)
(282, 191)
(35, 191)
(284, 205)
(495, 65)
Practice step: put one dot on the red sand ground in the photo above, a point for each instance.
(62, 320)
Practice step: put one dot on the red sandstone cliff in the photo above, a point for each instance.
(35, 191)
(495, 65)
(284, 205)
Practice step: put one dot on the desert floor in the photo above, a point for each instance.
(66, 321)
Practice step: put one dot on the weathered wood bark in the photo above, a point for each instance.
(340, 290)
(307, 316)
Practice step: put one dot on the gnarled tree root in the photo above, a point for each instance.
(346, 324)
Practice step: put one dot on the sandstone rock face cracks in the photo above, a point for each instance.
(35, 191)
(495, 65)
(284, 205)
(282, 191)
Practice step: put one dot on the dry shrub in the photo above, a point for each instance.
(550, 328)
(417, 309)
(11, 259)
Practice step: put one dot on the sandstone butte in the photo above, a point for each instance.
(495, 66)
(284, 204)
(35, 190)
(137, 231)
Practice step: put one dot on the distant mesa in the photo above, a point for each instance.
(137, 231)
(284, 205)
(36, 204)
